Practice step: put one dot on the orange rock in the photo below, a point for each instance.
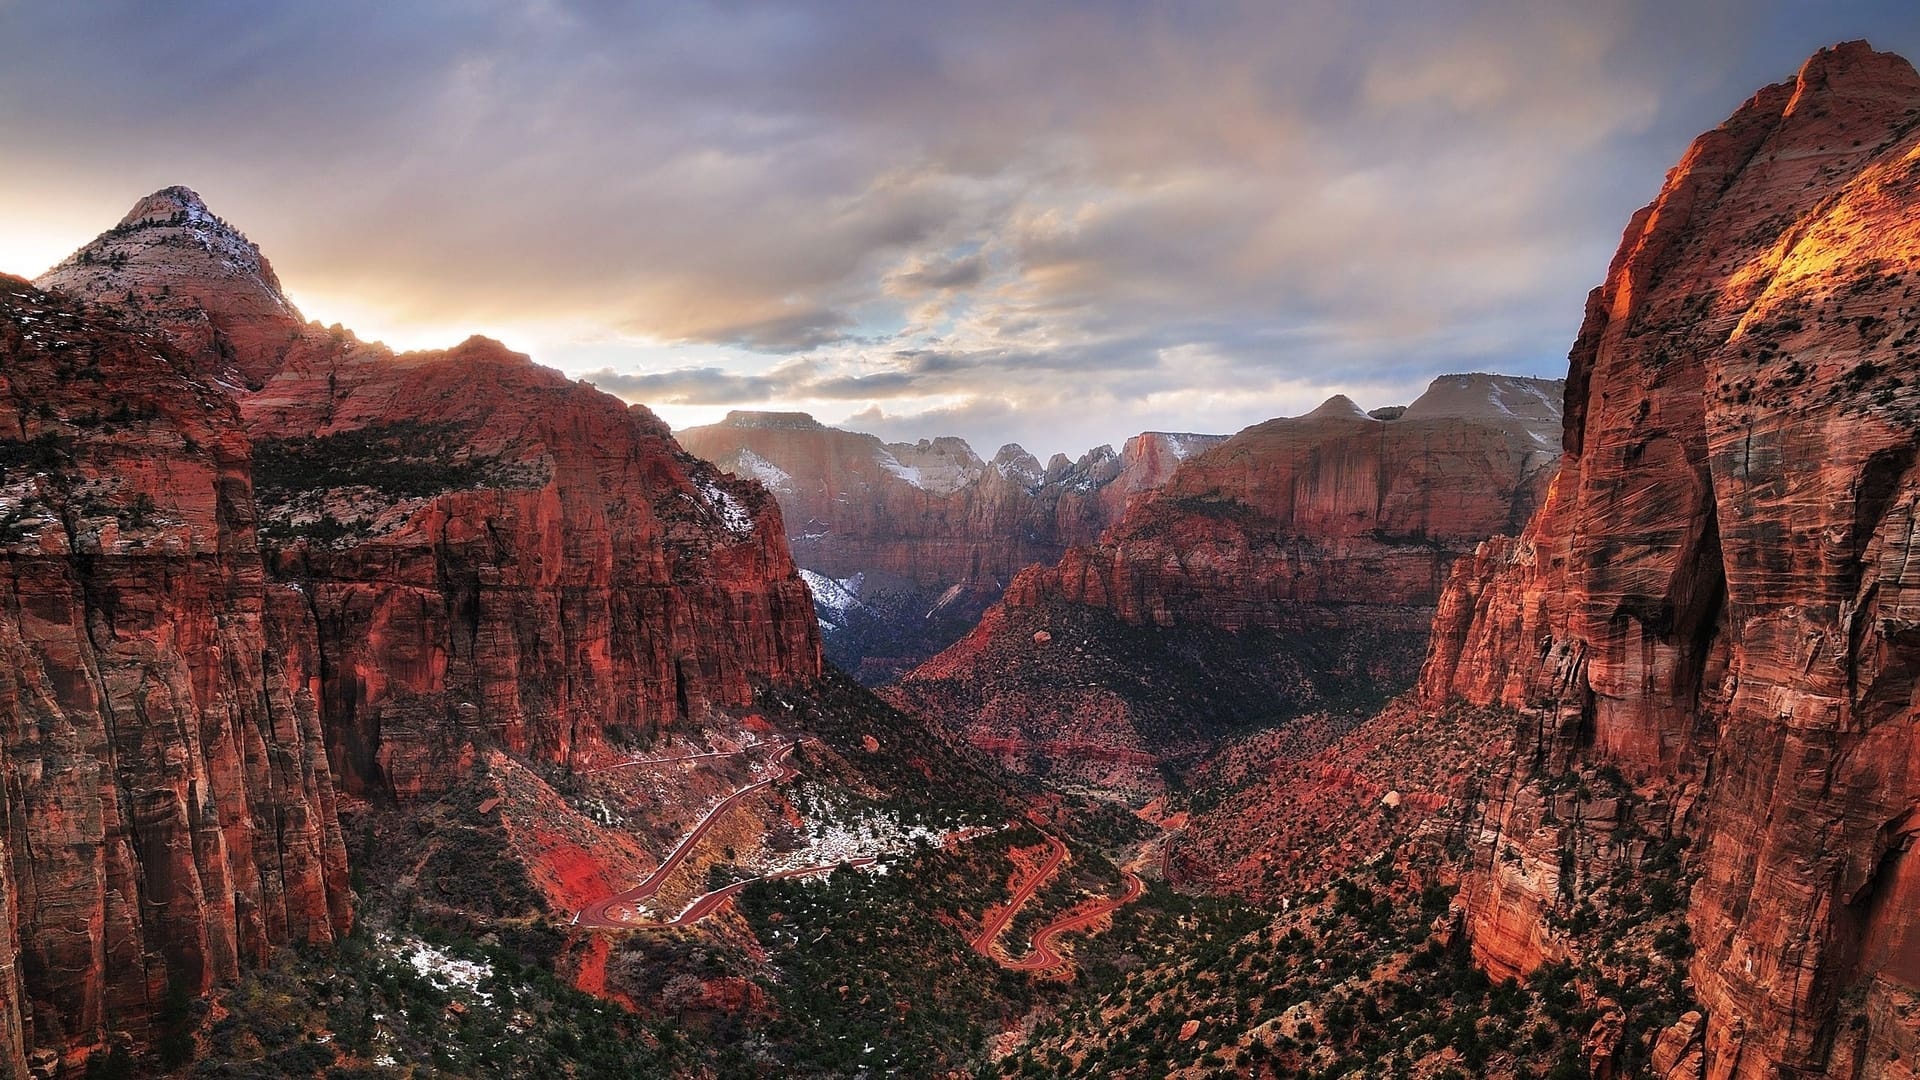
(929, 526)
(533, 563)
(155, 694)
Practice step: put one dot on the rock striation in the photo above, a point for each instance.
(1718, 597)
(907, 543)
(1293, 567)
(166, 811)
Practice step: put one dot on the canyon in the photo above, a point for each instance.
(260, 573)
(906, 544)
(1539, 726)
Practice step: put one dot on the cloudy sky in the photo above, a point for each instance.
(1051, 223)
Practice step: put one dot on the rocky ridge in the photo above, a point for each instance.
(246, 560)
(492, 553)
(1313, 548)
(1715, 601)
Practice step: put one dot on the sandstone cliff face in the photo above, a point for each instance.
(1293, 567)
(487, 553)
(166, 812)
(909, 542)
(1718, 596)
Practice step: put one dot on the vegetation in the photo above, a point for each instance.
(403, 460)
(377, 1007)
(1370, 977)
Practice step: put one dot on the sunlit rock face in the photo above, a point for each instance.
(173, 265)
(1718, 597)
(907, 543)
(1293, 567)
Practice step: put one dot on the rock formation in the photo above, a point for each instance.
(1718, 598)
(907, 543)
(1294, 566)
(166, 811)
(174, 266)
(237, 549)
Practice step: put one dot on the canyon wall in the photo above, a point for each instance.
(246, 561)
(166, 811)
(1719, 597)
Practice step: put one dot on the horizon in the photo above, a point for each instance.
(1213, 219)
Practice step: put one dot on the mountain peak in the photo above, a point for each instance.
(1340, 407)
(165, 205)
(779, 421)
(186, 273)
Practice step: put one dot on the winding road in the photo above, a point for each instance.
(996, 924)
(1041, 955)
(603, 912)
(708, 904)
(638, 762)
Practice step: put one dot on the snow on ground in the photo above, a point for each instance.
(905, 472)
(838, 832)
(444, 970)
(837, 595)
(1183, 445)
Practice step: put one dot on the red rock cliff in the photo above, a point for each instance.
(166, 813)
(1719, 596)
(1331, 508)
(545, 570)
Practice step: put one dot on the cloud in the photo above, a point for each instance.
(1036, 220)
(789, 333)
(686, 386)
(938, 275)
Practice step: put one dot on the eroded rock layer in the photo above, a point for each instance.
(166, 811)
(245, 560)
(1718, 598)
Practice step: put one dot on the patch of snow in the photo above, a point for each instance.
(732, 512)
(836, 595)
(905, 472)
(773, 476)
(444, 970)
(1497, 398)
(839, 832)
